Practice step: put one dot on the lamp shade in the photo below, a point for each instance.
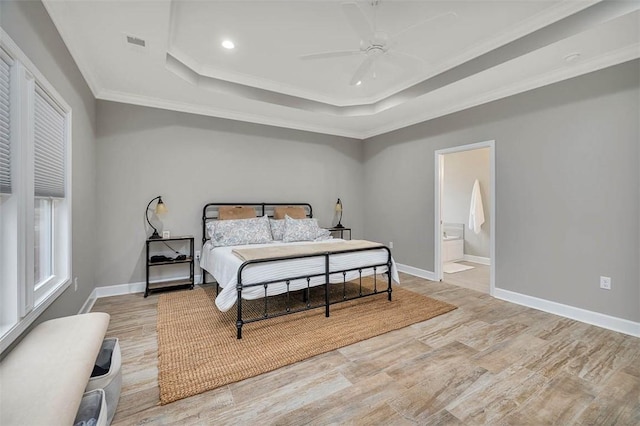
(161, 207)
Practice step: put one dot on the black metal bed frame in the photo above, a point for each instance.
(266, 208)
(209, 211)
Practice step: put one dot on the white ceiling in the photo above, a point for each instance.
(455, 54)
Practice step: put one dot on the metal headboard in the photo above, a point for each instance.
(210, 211)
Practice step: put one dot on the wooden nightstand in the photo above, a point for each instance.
(341, 231)
(153, 261)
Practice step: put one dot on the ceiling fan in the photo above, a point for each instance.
(373, 43)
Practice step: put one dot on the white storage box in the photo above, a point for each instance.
(93, 409)
(107, 375)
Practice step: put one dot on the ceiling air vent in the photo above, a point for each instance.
(136, 41)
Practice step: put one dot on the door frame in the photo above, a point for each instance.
(439, 178)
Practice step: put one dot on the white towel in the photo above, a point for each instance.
(476, 211)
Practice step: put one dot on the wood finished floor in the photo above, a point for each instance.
(488, 362)
(477, 278)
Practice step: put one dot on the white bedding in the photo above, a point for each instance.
(223, 265)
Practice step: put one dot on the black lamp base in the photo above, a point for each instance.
(155, 236)
(339, 225)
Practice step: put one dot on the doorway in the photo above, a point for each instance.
(464, 198)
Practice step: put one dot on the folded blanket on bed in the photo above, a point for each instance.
(296, 250)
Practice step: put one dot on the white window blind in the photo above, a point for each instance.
(35, 220)
(5, 141)
(49, 138)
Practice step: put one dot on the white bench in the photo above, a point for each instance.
(43, 378)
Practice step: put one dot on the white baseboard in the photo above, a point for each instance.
(88, 304)
(477, 259)
(116, 290)
(416, 272)
(120, 289)
(594, 318)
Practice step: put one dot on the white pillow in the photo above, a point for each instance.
(237, 232)
(299, 229)
(323, 234)
(277, 228)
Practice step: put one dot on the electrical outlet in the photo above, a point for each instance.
(605, 283)
(390, 244)
(75, 284)
(198, 255)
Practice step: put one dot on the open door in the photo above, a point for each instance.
(439, 228)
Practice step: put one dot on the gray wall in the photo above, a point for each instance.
(29, 25)
(567, 162)
(567, 178)
(191, 160)
(461, 169)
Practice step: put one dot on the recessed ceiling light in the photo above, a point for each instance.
(228, 44)
(359, 83)
(572, 57)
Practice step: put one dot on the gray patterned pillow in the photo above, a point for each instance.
(323, 234)
(299, 229)
(237, 232)
(211, 226)
(277, 229)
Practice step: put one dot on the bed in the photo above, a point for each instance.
(288, 266)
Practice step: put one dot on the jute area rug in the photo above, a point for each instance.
(198, 350)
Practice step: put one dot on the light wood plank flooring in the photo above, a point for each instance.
(488, 362)
(477, 279)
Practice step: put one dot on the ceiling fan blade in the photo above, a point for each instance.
(362, 69)
(358, 20)
(396, 53)
(447, 15)
(335, 54)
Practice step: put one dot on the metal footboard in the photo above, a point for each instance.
(327, 274)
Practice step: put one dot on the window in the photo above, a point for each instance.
(35, 198)
(42, 259)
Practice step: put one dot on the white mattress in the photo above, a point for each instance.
(223, 265)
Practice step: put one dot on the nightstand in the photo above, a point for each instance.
(341, 231)
(156, 261)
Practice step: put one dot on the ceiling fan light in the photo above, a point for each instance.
(228, 44)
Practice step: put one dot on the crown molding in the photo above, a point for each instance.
(548, 16)
(148, 101)
(260, 83)
(615, 57)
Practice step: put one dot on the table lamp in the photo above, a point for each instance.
(339, 210)
(160, 208)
